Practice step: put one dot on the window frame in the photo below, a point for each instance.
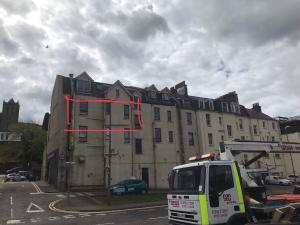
(82, 110)
(156, 113)
(191, 138)
(189, 119)
(138, 150)
(169, 116)
(229, 133)
(208, 119)
(171, 136)
(157, 135)
(83, 86)
(210, 139)
(126, 136)
(83, 136)
(126, 112)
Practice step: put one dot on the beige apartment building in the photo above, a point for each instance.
(175, 127)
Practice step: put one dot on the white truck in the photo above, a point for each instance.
(206, 192)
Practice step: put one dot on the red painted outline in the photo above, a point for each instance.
(68, 100)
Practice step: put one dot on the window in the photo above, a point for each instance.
(267, 138)
(229, 130)
(191, 138)
(220, 180)
(107, 108)
(156, 113)
(208, 121)
(83, 108)
(126, 136)
(190, 179)
(2, 137)
(171, 136)
(83, 134)
(232, 108)
(222, 138)
(243, 138)
(152, 94)
(264, 124)
(273, 126)
(136, 122)
(220, 120)
(245, 158)
(165, 96)
(117, 93)
(241, 124)
(277, 156)
(210, 139)
(83, 86)
(138, 146)
(157, 135)
(201, 104)
(189, 118)
(169, 115)
(126, 112)
(211, 105)
(224, 107)
(255, 129)
(135, 99)
(273, 138)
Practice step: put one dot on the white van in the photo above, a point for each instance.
(277, 180)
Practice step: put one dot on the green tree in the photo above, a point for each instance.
(33, 139)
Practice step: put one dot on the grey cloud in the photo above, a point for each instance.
(28, 36)
(144, 24)
(8, 47)
(17, 7)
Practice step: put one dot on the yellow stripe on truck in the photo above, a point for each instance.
(203, 209)
(238, 188)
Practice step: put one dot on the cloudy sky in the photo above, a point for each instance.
(251, 47)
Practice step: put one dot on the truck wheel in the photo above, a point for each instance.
(237, 219)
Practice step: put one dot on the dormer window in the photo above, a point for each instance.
(201, 104)
(211, 105)
(224, 107)
(232, 107)
(237, 108)
(84, 86)
(117, 93)
(165, 96)
(152, 94)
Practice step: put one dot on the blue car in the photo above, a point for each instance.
(129, 186)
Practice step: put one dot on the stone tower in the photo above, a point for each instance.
(9, 115)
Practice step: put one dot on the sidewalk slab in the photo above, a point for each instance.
(45, 187)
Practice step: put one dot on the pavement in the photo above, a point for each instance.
(26, 203)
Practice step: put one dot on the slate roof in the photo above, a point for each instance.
(98, 89)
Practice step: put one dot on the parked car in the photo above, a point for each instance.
(13, 170)
(29, 176)
(129, 186)
(14, 177)
(293, 178)
(277, 180)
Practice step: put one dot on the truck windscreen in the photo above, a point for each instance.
(187, 180)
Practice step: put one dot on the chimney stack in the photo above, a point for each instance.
(256, 107)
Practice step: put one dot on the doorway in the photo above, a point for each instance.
(145, 176)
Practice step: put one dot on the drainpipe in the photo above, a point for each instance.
(181, 141)
(154, 150)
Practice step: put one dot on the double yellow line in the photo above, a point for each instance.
(37, 188)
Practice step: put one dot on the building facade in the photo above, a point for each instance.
(175, 127)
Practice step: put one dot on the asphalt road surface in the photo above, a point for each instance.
(23, 203)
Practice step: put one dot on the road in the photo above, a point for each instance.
(23, 203)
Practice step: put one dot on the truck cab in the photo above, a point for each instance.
(206, 192)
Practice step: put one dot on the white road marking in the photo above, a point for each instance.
(52, 218)
(101, 214)
(147, 210)
(11, 213)
(14, 222)
(61, 196)
(84, 215)
(79, 194)
(156, 218)
(69, 217)
(11, 200)
(104, 223)
(35, 220)
(38, 208)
